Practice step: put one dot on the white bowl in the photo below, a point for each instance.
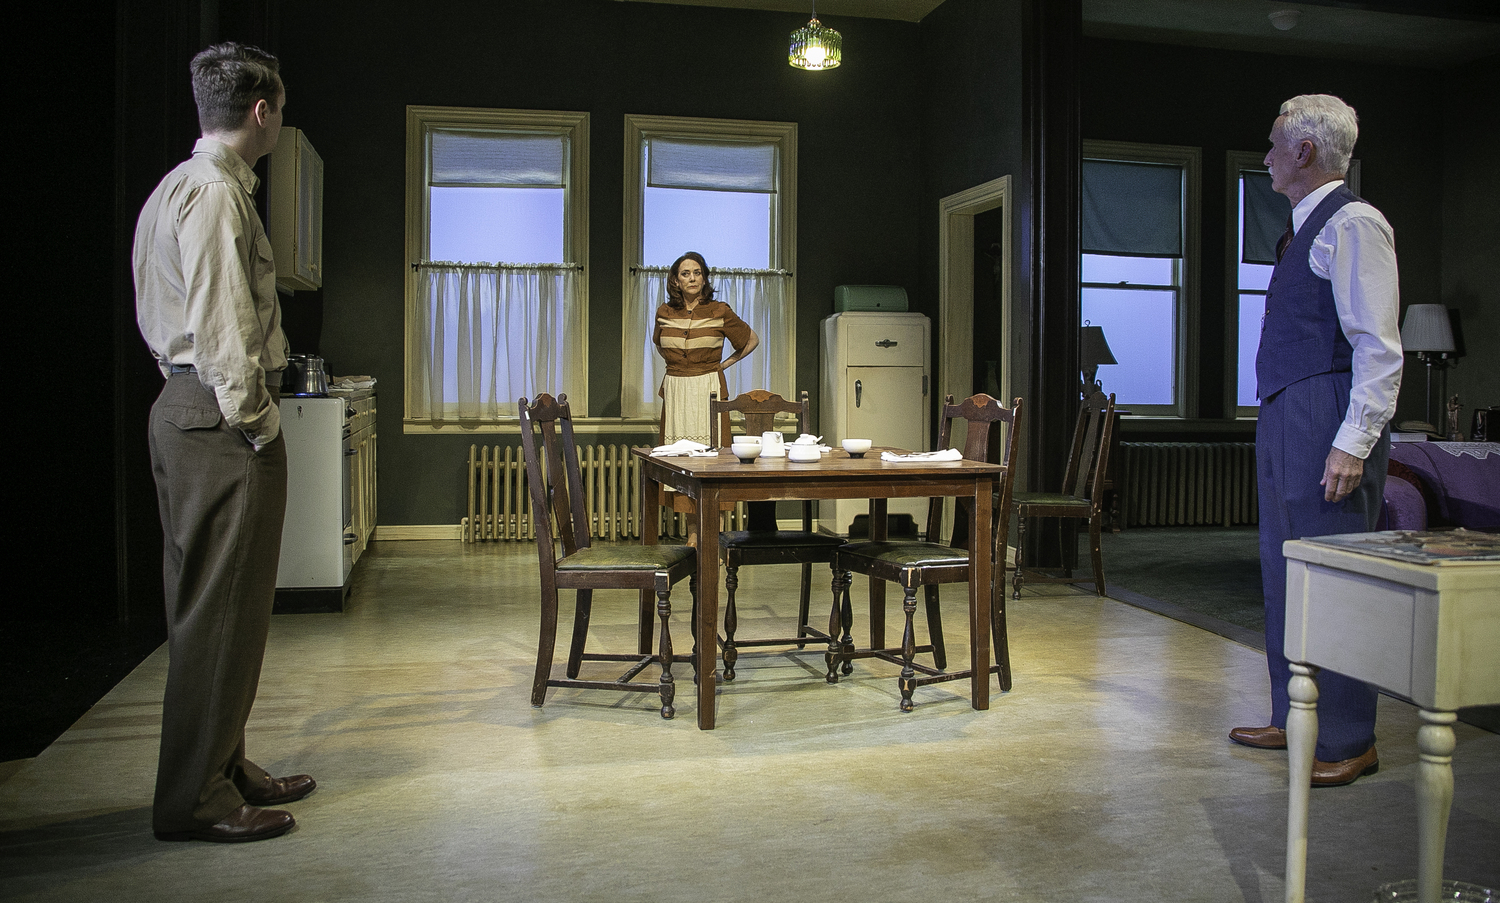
(803, 454)
(746, 451)
(856, 447)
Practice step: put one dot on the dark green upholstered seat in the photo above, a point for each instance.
(778, 539)
(626, 558)
(1053, 500)
(908, 554)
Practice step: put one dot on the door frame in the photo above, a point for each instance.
(956, 214)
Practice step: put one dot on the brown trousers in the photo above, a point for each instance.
(222, 505)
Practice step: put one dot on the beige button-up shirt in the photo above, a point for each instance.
(205, 286)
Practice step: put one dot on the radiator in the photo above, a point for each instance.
(499, 503)
(1187, 483)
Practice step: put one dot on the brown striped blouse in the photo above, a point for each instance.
(692, 342)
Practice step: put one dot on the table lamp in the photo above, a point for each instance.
(1428, 332)
(1093, 350)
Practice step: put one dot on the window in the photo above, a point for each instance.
(1260, 219)
(727, 189)
(1139, 271)
(497, 238)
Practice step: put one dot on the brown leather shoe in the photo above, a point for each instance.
(1336, 774)
(278, 791)
(244, 824)
(1259, 737)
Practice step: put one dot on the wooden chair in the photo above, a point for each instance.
(1081, 496)
(557, 499)
(763, 542)
(929, 564)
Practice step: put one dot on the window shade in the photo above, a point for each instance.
(1266, 214)
(1132, 209)
(497, 159)
(711, 165)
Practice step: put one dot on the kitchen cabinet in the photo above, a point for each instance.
(362, 473)
(295, 223)
(877, 367)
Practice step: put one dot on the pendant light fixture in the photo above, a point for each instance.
(815, 46)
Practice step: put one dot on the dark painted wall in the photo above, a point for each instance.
(971, 134)
(859, 192)
(1471, 240)
(1223, 100)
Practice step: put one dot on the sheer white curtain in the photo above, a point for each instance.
(491, 334)
(757, 296)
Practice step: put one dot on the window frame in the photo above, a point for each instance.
(420, 120)
(1185, 363)
(1236, 162)
(639, 127)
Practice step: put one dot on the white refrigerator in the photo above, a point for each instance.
(877, 369)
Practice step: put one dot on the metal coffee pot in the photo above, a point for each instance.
(304, 375)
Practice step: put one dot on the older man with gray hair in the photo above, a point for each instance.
(1328, 370)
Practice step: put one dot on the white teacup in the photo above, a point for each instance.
(856, 447)
(746, 450)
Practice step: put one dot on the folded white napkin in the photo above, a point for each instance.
(950, 454)
(684, 448)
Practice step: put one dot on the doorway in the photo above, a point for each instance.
(974, 260)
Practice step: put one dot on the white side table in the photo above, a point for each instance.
(1429, 632)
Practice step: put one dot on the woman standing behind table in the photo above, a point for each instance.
(690, 332)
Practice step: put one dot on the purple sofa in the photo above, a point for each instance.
(1442, 484)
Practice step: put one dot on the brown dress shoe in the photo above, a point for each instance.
(244, 824)
(1259, 737)
(1336, 774)
(277, 791)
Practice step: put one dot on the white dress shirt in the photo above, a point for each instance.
(1356, 252)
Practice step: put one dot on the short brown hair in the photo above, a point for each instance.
(228, 80)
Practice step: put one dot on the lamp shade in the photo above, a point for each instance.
(1093, 350)
(815, 46)
(1427, 328)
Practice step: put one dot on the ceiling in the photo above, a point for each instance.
(1426, 33)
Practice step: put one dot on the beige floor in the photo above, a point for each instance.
(1104, 775)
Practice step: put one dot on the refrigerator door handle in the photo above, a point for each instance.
(859, 390)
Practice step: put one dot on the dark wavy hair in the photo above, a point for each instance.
(228, 80)
(674, 290)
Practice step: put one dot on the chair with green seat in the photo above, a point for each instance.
(914, 565)
(1081, 496)
(557, 501)
(763, 542)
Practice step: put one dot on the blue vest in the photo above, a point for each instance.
(1301, 336)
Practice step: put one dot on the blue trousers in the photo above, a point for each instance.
(1294, 433)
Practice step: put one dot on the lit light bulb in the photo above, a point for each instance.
(816, 54)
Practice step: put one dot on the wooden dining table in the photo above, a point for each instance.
(724, 479)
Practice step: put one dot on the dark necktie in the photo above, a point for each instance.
(1284, 240)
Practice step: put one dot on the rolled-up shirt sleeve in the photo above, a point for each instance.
(1356, 253)
(226, 264)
